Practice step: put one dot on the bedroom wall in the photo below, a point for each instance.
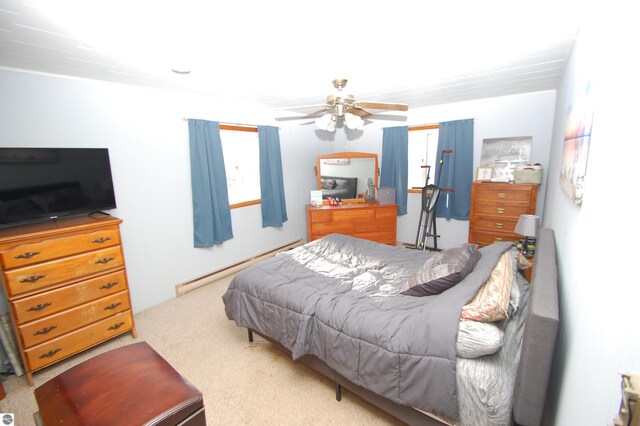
(148, 146)
(599, 290)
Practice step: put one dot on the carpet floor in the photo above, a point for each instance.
(241, 382)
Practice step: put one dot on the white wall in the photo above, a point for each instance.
(149, 150)
(599, 291)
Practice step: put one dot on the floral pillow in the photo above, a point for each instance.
(491, 303)
(443, 270)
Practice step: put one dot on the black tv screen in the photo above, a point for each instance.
(45, 183)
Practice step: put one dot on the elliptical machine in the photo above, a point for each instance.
(427, 221)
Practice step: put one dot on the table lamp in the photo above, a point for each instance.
(528, 226)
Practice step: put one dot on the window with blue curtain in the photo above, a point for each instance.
(394, 171)
(211, 212)
(274, 207)
(457, 169)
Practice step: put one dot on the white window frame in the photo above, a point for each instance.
(241, 152)
(426, 135)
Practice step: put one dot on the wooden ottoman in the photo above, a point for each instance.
(131, 385)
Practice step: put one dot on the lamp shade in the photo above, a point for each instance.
(528, 225)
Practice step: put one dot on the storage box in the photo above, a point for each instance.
(528, 174)
(386, 196)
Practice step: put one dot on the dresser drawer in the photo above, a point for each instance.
(484, 237)
(61, 323)
(499, 209)
(390, 212)
(331, 228)
(508, 193)
(354, 214)
(52, 301)
(379, 237)
(375, 226)
(28, 254)
(76, 341)
(321, 216)
(505, 224)
(23, 280)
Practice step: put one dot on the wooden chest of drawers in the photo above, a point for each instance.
(368, 221)
(66, 285)
(496, 208)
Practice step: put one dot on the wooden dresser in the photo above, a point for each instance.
(496, 208)
(66, 286)
(368, 221)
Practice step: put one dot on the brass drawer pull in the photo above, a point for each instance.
(104, 260)
(101, 240)
(113, 306)
(500, 210)
(499, 225)
(502, 195)
(38, 307)
(27, 255)
(107, 286)
(50, 353)
(116, 326)
(32, 279)
(45, 330)
(497, 239)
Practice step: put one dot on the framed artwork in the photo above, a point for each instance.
(575, 153)
(504, 154)
(484, 174)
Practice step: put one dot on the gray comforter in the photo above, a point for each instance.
(338, 298)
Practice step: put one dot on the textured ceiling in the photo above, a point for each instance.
(285, 53)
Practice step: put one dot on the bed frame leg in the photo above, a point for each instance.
(250, 333)
(338, 392)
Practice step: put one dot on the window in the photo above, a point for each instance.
(423, 156)
(242, 163)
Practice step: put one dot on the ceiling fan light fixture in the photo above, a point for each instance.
(353, 122)
(326, 122)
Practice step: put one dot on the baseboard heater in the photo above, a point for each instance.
(221, 273)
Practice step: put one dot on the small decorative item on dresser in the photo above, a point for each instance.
(484, 174)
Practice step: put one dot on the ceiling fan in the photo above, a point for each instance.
(343, 106)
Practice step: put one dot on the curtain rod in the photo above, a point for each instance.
(228, 124)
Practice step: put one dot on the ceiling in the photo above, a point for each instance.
(285, 53)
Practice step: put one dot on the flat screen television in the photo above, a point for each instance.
(45, 183)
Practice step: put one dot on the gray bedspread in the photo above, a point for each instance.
(338, 298)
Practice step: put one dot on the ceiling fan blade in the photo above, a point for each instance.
(381, 105)
(303, 108)
(300, 117)
(359, 112)
(389, 117)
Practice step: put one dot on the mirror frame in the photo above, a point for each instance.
(349, 154)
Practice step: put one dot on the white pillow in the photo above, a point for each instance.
(476, 339)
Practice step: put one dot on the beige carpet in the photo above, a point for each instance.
(242, 383)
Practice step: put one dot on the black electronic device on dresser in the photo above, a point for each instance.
(45, 183)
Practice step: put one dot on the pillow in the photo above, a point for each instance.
(476, 339)
(523, 262)
(328, 183)
(443, 270)
(491, 303)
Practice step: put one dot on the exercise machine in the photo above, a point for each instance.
(427, 221)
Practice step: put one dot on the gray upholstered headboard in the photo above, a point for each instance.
(539, 338)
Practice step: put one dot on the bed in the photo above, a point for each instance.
(339, 187)
(352, 310)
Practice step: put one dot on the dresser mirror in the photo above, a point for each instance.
(346, 175)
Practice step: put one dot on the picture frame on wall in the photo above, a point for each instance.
(577, 139)
(484, 174)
